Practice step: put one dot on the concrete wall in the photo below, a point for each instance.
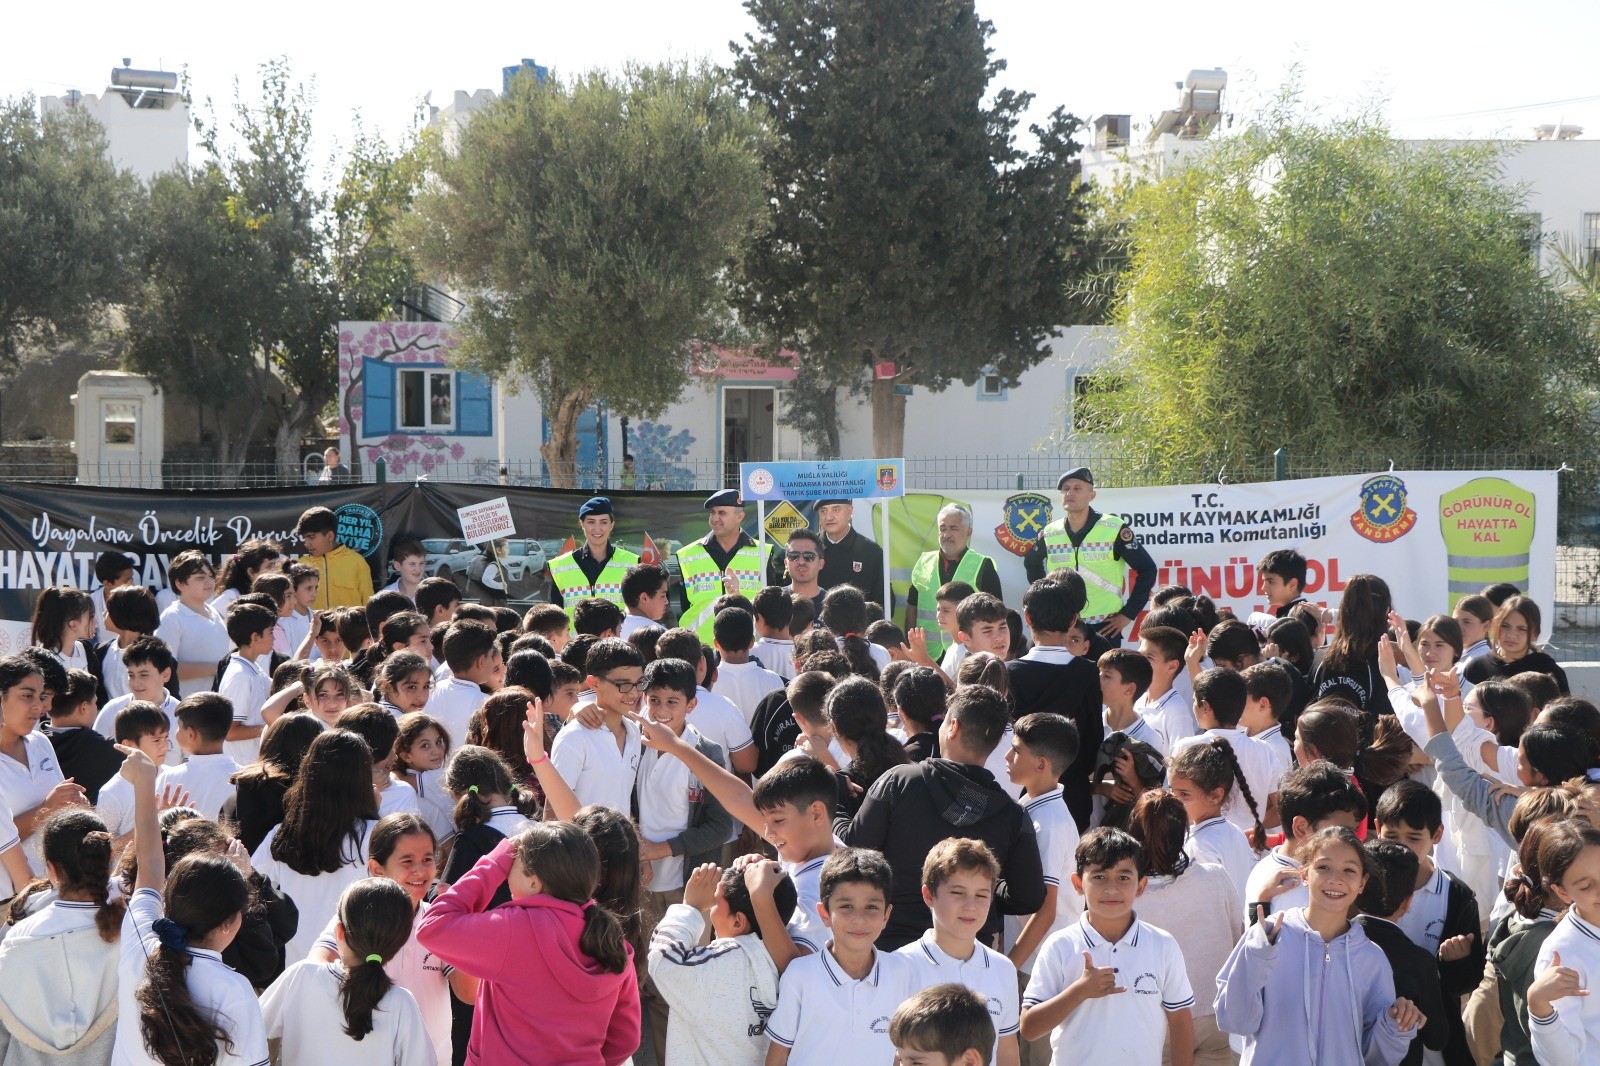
(145, 140)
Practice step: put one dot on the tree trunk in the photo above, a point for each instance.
(291, 429)
(888, 420)
(560, 451)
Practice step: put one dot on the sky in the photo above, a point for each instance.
(1466, 69)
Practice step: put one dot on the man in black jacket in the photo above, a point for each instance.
(1416, 974)
(913, 807)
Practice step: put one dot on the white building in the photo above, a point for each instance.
(145, 118)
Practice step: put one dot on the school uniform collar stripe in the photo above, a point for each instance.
(1582, 926)
(1270, 731)
(1207, 824)
(1438, 882)
(840, 979)
(1094, 939)
(1282, 860)
(807, 867)
(503, 810)
(1053, 796)
(75, 905)
(937, 955)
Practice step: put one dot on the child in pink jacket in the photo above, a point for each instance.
(558, 981)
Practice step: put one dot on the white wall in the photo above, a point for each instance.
(147, 141)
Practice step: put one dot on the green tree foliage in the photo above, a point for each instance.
(1327, 288)
(591, 223)
(65, 231)
(905, 224)
(250, 261)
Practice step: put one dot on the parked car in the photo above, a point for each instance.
(446, 558)
(521, 560)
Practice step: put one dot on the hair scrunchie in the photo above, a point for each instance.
(171, 934)
(375, 958)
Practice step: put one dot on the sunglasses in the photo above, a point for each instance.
(798, 557)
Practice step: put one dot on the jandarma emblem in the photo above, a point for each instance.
(1383, 515)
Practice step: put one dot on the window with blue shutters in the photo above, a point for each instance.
(425, 398)
(377, 406)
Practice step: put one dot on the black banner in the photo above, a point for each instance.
(52, 534)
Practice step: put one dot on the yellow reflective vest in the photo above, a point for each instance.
(702, 580)
(1104, 575)
(925, 579)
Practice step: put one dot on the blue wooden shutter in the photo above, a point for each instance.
(474, 406)
(377, 404)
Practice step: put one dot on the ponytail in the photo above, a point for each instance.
(475, 773)
(1527, 891)
(203, 892)
(844, 610)
(375, 915)
(602, 938)
(858, 653)
(567, 862)
(1258, 835)
(78, 844)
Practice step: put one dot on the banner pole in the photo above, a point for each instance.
(888, 560)
(761, 537)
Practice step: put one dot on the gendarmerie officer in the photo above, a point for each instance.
(1101, 549)
(850, 558)
(596, 567)
(724, 560)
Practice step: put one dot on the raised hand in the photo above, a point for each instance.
(172, 796)
(533, 732)
(1275, 926)
(137, 769)
(1556, 982)
(239, 856)
(653, 734)
(1098, 981)
(700, 891)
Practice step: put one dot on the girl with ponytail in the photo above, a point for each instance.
(557, 970)
(489, 808)
(1200, 777)
(844, 611)
(63, 951)
(64, 625)
(254, 558)
(178, 1004)
(349, 1010)
(1193, 900)
(861, 724)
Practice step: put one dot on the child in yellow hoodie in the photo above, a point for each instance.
(346, 577)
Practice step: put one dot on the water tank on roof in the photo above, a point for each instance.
(1214, 80)
(126, 77)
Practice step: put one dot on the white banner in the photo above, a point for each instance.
(1433, 536)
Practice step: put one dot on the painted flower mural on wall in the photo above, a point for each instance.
(398, 343)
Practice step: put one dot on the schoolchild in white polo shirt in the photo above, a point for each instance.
(31, 784)
(714, 717)
(473, 656)
(1219, 698)
(1269, 688)
(1310, 797)
(190, 627)
(834, 1006)
(601, 764)
(741, 677)
(245, 683)
(1042, 747)
(958, 879)
(150, 667)
(1565, 1018)
(1164, 706)
(139, 725)
(203, 723)
(1124, 678)
(774, 648)
(644, 594)
(1109, 982)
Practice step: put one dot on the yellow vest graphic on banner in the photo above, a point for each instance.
(784, 519)
(1487, 526)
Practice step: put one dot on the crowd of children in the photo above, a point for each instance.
(271, 815)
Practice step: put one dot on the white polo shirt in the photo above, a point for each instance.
(827, 1018)
(666, 790)
(1266, 871)
(1057, 834)
(988, 973)
(315, 895)
(398, 798)
(1258, 765)
(595, 767)
(805, 925)
(8, 840)
(420, 972)
(435, 805)
(775, 655)
(453, 702)
(247, 687)
(1282, 751)
(1129, 1029)
(24, 785)
(303, 1010)
(114, 673)
(743, 684)
(1171, 716)
(114, 805)
(1140, 730)
(296, 628)
(1423, 921)
(217, 989)
(719, 721)
(105, 723)
(207, 779)
(194, 637)
(1219, 841)
(632, 623)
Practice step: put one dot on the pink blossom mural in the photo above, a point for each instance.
(411, 454)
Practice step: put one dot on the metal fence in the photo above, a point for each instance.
(1574, 625)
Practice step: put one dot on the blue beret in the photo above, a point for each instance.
(725, 498)
(1080, 473)
(594, 505)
